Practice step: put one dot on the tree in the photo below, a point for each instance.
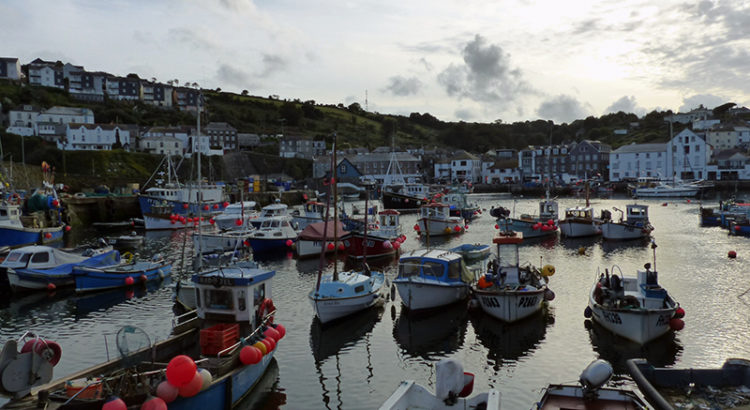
(245, 93)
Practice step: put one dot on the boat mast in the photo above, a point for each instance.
(199, 196)
(325, 228)
(335, 213)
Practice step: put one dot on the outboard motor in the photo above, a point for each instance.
(594, 376)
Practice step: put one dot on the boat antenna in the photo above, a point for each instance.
(653, 248)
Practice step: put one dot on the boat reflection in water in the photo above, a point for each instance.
(334, 341)
(265, 394)
(101, 301)
(508, 342)
(614, 247)
(431, 334)
(661, 352)
(26, 308)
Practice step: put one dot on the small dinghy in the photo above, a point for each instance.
(590, 394)
(472, 252)
(452, 388)
(666, 388)
(131, 241)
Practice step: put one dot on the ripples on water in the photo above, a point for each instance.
(358, 363)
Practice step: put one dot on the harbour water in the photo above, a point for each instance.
(357, 363)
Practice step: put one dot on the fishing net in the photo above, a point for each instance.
(130, 339)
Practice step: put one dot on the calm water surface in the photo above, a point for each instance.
(357, 363)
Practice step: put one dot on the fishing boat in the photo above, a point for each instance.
(341, 294)
(311, 212)
(508, 291)
(431, 278)
(635, 225)
(725, 213)
(670, 388)
(435, 220)
(636, 308)
(230, 336)
(740, 226)
(384, 237)
(206, 242)
(649, 187)
(237, 216)
(533, 226)
(452, 388)
(130, 273)
(398, 193)
(351, 196)
(457, 199)
(274, 233)
(274, 210)
(310, 241)
(590, 393)
(472, 252)
(39, 267)
(580, 221)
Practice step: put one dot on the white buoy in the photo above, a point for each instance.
(596, 374)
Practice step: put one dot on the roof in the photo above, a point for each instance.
(314, 231)
(389, 212)
(58, 110)
(633, 148)
(464, 155)
(729, 153)
(383, 156)
(9, 59)
(431, 254)
(95, 126)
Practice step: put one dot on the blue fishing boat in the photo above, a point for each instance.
(88, 278)
(472, 251)
(39, 267)
(275, 233)
(230, 335)
(431, 278)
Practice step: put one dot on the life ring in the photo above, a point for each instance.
(266, 307)
(127, 257)
(14, 199)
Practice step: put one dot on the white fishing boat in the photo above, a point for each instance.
(647, 187)
(237, 216)
(431, 278)
(312, 212)
(207, 242)
(508, 291)
(636, 308)
(590, 393)
(311, 240)
(635, 225)
(435, 220)
(580, 221)
(452, 388)
(341, 294)
(275, 210)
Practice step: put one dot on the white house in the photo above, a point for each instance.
(46, 73)
(731, 164)
(66, 115)
(164, 145)
(499, 172)
(728, 137)
(466, 167)
(638, 160)
(94, 137)
(300, 147)
(22, 120)
(10, 68)
(442, 171)
(690, 156)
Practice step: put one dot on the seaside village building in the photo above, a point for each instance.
(91, 137)
(10, 68)
(301, 147)
(564, 162)
(50, 124)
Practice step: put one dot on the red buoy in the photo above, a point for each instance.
(205, 207)
(416, 227)
(193, 386)
(250, 355)
(51, 286)
(238, 222)
(48, 235)
(330, 246)
(216, 206)
(154, 403)
(497, 227)
(289, 242)
(679, 313)
(211, 221)
(676, 324)
(181, 370)
(129, 280)
(226, 204)
(144, 278)
(272, 333)
(281, 329)
(67, 228)
(732, 254)
(185, 206)
(341, 247)
(114, 403)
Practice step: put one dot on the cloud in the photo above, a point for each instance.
(627, 105)
(426, 64)
(485, 75)
(271, 64)
(227, 74)
(464, 114)
(563, 108)
(707, 100)
(402, 86)
(190, 38)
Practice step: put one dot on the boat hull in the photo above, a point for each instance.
(398, 201)
(330, 309)
(87, 279)
(510, 305)
(20, 281)
(637, 325)
(269, 245)
(307, 248)
(576, 229)
(440, 227)
(619, 231)
(375, 246)
(666, 192)
(526, 227)
(19, 236)
(217, 242)
(419, 294)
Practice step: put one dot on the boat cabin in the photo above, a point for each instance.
(579, 213)
(389, 219)
(637, 214)
(506, 264)
(314, 208)
(548, 210)
(232, 294)
(435, 210)
(40, 257)
(445, 266)
(273, 210)
(10, 215)
(275, 226)
(238, 208)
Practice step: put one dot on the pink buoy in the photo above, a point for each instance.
(193, 386)
(396, 245)
(114, 403)
(154, 403)
(167, 392)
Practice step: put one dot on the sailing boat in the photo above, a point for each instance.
(580, 221)
(397, 193)
(341, 294)
(173, 205)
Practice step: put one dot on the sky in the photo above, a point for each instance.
(469, 60)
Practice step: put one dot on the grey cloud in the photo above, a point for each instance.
(234, 76)
(707, 100)
(563, 108)
(627, 105)
(485, 76)
(271, 64)
(189, 37)
(402, 86)
(464, 114)
(426, 64)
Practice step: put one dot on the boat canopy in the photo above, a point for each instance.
(314, 231)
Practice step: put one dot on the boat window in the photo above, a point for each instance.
(40, 257)
(359, 289)
(275, 224)
(285, 223)
(241, 301)
(407, 269)
(14, 256)
(260, 294)
(3, 212)
(432, 269)
(454, 270)
(218, 299)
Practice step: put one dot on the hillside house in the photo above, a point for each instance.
(10, 68)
